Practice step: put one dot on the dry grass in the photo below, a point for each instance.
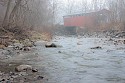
(110, 26)
(46, 36)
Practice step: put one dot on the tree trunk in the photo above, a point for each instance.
(11, 19)
(6, 17)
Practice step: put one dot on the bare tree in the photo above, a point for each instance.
(5, 21)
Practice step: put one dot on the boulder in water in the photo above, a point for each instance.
(21, 68)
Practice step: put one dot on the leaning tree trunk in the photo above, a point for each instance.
(6, 17)
(14, 10)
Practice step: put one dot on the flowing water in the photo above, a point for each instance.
(76, 62)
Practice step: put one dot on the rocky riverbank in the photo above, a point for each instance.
(12, 59)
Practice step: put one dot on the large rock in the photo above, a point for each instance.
(50, 45)
(21, 68)
(27, 49)
(34, 70)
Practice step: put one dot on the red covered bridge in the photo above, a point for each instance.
(86, 19)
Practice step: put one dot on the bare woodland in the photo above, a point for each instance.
(20, 16)
(77, 54)
(24, 15)
(116, 7)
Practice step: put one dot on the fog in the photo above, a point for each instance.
(62, 41)
(40, 15)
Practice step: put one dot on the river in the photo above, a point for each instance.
(76, 62)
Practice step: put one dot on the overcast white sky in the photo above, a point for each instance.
(78, 7)
(64, 5)
(75, 1)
